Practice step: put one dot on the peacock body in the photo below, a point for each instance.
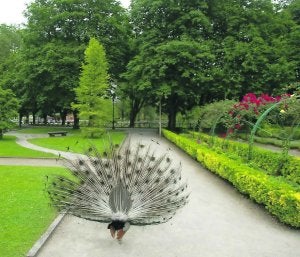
(130, 185)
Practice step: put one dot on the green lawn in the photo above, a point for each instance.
(9, 148)
(25, 211)
(76, 143)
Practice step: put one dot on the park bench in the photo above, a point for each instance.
(52, 134)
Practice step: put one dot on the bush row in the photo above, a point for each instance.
(278, 132)
(271, 162)
(279, 197)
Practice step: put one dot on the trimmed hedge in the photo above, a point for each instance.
(279, 197)
(267, 160)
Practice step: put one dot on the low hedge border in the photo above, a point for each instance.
(279, 198)
(267, 160)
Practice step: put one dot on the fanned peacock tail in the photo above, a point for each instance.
(131, 184)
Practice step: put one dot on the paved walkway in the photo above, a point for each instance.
(218, 221)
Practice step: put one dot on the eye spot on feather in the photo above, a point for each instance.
(105, 154)
(106, 165)
(152, 158)
(102, 183)
(119, 157)
(168, 159)
(109, 176)
(172, 171)
(81, 162)
(159, 171)
(157, 180)
(96, 162)
(140, 159)
(142, 146)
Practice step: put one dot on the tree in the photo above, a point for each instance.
(54, 41)
(172, 56)
(8, 109)
(93, 87)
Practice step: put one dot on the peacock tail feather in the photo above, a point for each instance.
(130, 184)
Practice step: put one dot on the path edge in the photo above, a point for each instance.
(42, 240)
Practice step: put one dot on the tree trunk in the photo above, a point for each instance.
(33, 118)
(132, 118)
(76, 120)
(172, 103)
(45, 119)
(1, 133)
(172, 119)
(20, 119)
(63, 116)
(27, 118)
(135, 108)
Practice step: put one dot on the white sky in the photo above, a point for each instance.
(11, 11)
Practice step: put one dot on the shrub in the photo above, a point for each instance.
(271, 162)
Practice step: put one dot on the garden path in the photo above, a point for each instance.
(218, 221)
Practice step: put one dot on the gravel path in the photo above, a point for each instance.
(217, 222)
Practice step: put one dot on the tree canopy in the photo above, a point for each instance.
(92, 89)
(181, 53)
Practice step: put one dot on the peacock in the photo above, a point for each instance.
(124, 186)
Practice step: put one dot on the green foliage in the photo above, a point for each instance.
(215, 114)
(8, 109)
(10, 41)
(279, 197)
(271, 162)
(25, 209)
(92, 90)
(171, 56)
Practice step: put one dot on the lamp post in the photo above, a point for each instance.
(113, 114)
(160, 116)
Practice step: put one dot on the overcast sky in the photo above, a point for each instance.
(11, 11)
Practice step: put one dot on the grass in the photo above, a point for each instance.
(9, 148)
(25, 211)
(77, 143)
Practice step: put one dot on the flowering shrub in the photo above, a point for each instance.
(245, 113)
